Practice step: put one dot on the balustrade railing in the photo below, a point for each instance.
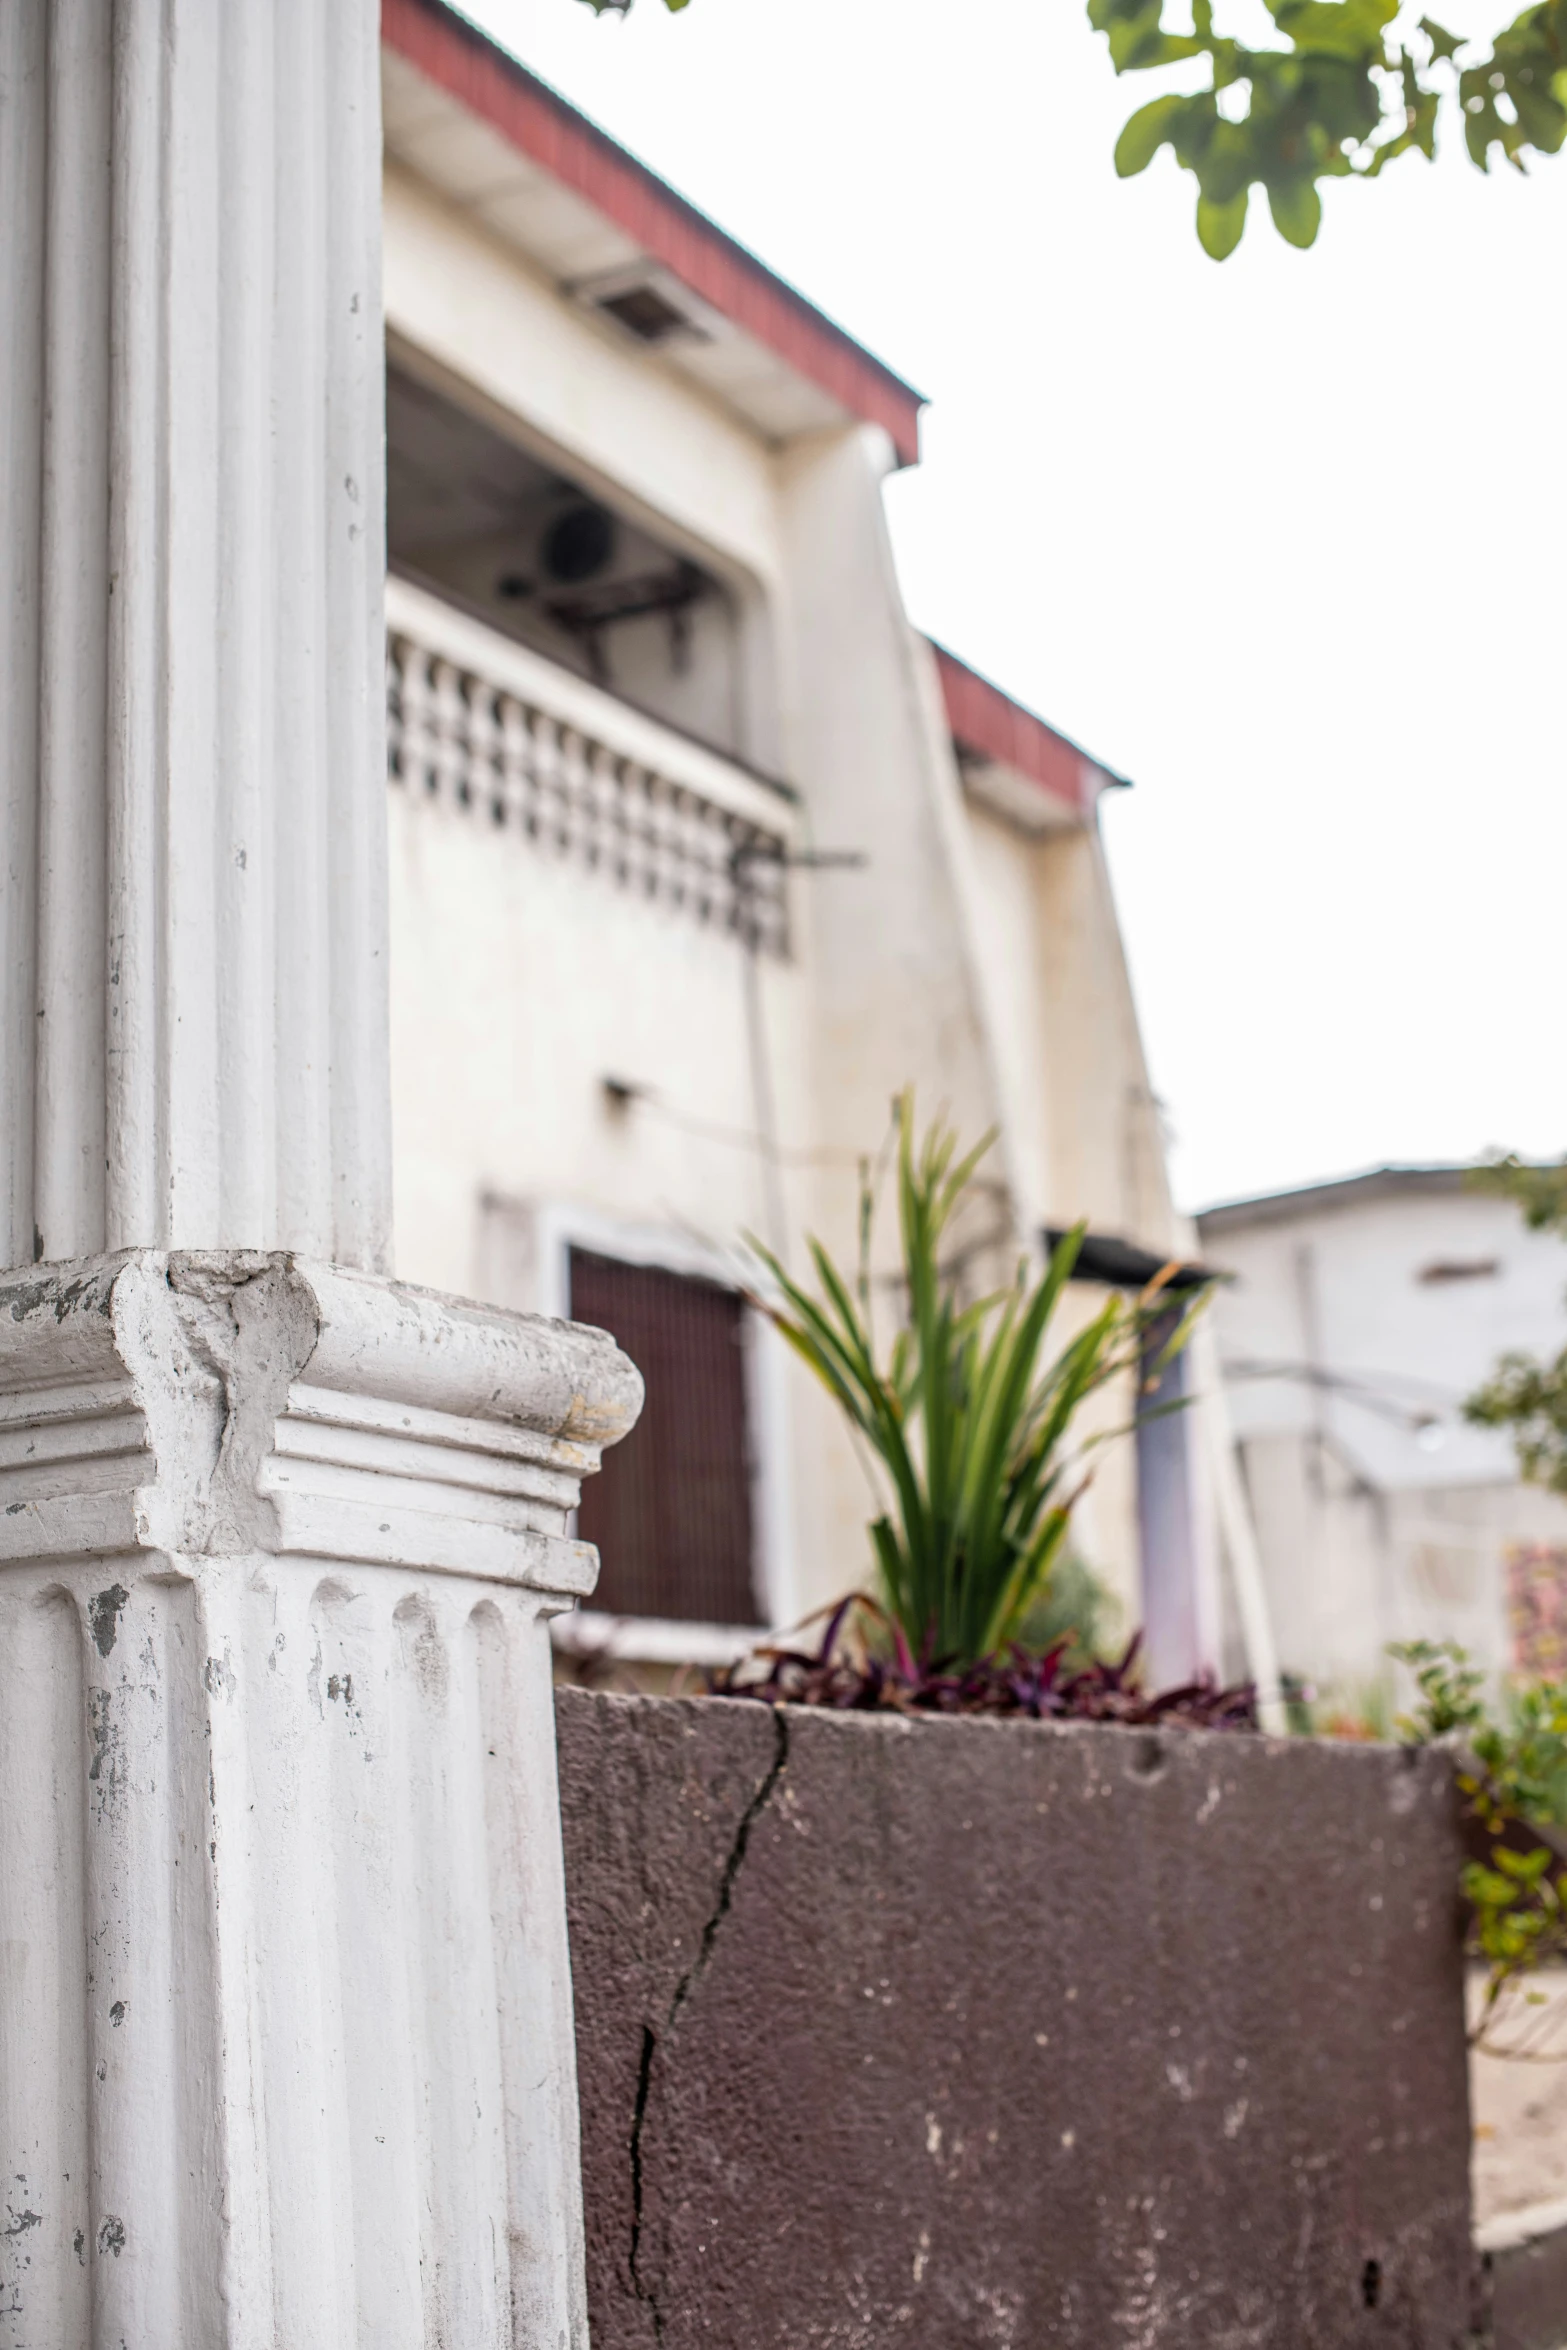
(481, 724)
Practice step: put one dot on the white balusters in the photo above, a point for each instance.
(464, 740)
(483, 793)
(515, 793)
(449, 732)
(414, 715)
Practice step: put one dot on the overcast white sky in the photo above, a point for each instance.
(1282, 540)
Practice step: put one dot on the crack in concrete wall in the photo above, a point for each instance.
(645, 2292)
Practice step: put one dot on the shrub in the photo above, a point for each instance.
(853, 1674)
(969, 1422)
(1511, 1765)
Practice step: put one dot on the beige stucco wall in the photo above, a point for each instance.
(980, 964)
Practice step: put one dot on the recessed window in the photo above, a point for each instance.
(671, 1509)
(1459, 1269)
(500, 531)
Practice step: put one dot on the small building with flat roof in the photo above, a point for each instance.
(1356, 1317)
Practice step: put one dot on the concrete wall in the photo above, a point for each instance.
(1528, 2293)
(977, 2033)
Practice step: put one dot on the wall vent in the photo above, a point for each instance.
(650, 305)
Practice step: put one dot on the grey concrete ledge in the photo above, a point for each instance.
(1526, 2254)
(965, 2033)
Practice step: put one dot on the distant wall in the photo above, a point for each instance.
(973, 2033)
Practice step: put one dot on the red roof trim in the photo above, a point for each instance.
(459, 59)
(986, 720)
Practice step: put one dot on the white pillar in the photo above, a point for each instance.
(285, 2027)
(191, 516)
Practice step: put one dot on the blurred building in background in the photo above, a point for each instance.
(1356, 1318)
(698, 851)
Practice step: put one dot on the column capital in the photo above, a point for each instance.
(215, 1403)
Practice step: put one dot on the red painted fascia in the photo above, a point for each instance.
(984, 719)
(529, 115)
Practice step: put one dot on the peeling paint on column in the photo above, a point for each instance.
(104, 1770)
(103, 1614)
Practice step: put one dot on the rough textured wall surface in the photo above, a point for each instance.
(975, 2033)
(1529, 2294)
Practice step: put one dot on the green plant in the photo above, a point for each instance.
(1530, 1398)
(1341, 100)
(865, 1665)
(1076, 1606)
(967, 1425)
(1523, 1393)
(1511, 1766)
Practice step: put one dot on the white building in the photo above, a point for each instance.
(698, 851)
(1358, 1316)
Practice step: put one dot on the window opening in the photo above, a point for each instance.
(480, 520)
(671, 1511)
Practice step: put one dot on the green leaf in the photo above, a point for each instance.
(1297, 212)
(1145, 134)
(1526, 1868)
(1347, 29)
(1136, 34)
(1220, 227)
(1542, 119)
(1443, 45)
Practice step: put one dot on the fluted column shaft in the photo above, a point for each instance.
(193, 1045)
(286, 2054)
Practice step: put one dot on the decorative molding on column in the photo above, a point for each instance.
(279, 1847)
(193, 1024)
(207, 1405)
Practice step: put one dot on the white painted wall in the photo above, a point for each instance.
(519, 983)
(1079, 1110)
(980, 963)
(1374, 1527)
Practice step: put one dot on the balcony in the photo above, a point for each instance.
(481, 724)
